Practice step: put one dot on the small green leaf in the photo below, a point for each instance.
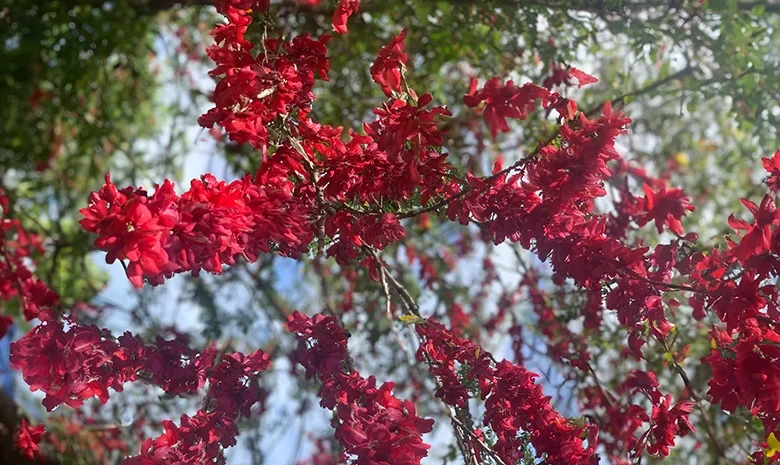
(411, 319)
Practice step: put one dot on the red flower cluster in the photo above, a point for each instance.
(668, 423)
(17, 248)
(665, 207)
(74, 364)
(549, 206)
(626, 417)
(513, 401)
(738, 286)
(371, 424)
(499, 101)
(208, 226)
(200, 439)
(254, 91)
(318, 182)
(746, 372)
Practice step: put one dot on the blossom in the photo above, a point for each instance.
(254, 91)
(27, 439)
(561, 74)
(203, 229)
(503, 101)
(758, 238)
(17, 280)
(202, 438)
(344, 10)
(667, 424)
(772, 166)
(665, 207)
(371, 423)
(387, 70)
(513, 400)
(583, 79)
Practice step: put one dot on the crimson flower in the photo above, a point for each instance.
(666, 207)
(386, 70)
(668, 423)
(28, 438)
(772, 166)
(583, 78)
(758, 238)
(503, 101)
(344, 10)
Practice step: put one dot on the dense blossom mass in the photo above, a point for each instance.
(513, 401)
(162, 234)
(18, 248)
(324, 192)
(371, 423)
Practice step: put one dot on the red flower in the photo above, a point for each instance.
(668, 423)
(344, 10)
(503, 101)
(772, 166)
(757, 373)
(758, 238)
(27, 439)
(203, 229)
(583, 78)
(561, 74)
(371, 423)
(644, 382)
(666, 207)
(514, 402)
(387, 68)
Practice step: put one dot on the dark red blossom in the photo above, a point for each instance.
(388, 68)
(583, 78)
(514, 402)
(202, 438)
(18, 249)
(758, 238)
(665, 207)
(502, 101)
(772, 166)
(344, 10)
(254, 91)
(372, 425)
(562, 74)
(668, 423)
(27, 439)
(203, 229)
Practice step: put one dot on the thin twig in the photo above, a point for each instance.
(388, 302)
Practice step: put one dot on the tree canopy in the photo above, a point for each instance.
(492, 232)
